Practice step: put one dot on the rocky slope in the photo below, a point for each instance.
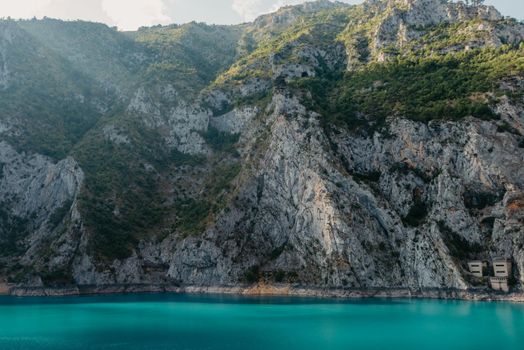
(323, 146)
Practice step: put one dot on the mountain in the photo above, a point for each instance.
(324, 145)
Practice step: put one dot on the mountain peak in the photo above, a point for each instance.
(287, 14)
(396, 17)
(435, 11)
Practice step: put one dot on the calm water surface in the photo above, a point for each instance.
(213, 322)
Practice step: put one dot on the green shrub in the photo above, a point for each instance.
(191, 215)
(252, 275)
(417, 214)
(279, 276)
(59, 214)
(57, 278)
(220, 141)
(222, 177)
(505, 127)
(13, 230)
(181, 159)
(121, 200)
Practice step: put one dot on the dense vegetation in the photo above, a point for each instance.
(188, 56)
(12, 231)
(121, 199)
(435, 87)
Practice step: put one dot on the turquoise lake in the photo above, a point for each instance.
(222, 322)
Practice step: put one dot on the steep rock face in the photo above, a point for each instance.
(396, 23)
(311, 220)
(306, 214)
(178, 121)
(308, 59)
(266, 26)
(451, 167)
(38, 203)
(246, 179)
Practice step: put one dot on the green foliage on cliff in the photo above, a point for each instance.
(220, 141)
(453, 86)
(188, 56)
(13, 230)
(121, 199)
(191, 215)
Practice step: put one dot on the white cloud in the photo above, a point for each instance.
(22, 8)
(247, 9)
(250, 9)
(131, 14)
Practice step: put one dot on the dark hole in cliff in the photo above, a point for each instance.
(416, 214)
(487, 224)
(16, 272)
(481, 200)
(221, 108)
(305, 74)
(418, 211)
(372, 176)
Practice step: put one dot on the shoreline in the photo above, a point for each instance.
(268, 290)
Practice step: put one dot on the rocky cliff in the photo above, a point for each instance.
(324, 146)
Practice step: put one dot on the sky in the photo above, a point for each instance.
(131, 14)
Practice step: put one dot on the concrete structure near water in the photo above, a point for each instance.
(502, 272)
(476, 268)
(499, 283)
(502, 267)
